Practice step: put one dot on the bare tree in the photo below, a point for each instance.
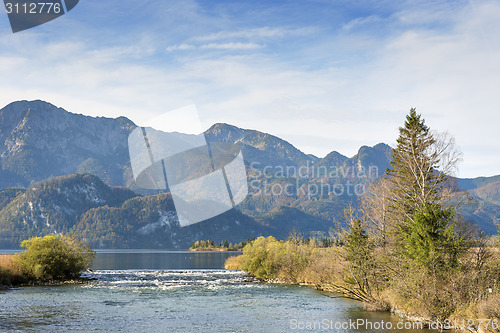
(374, 206)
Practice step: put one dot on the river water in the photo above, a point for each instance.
(162, 291)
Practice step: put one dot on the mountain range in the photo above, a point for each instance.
(70, 173)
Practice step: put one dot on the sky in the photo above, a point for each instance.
(324, 75)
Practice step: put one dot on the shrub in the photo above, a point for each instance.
(268, 258)
(54, 257)
(255, 258)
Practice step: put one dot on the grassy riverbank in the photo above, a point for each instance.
(461, 294)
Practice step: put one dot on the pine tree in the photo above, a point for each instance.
(359, 254)
(424, 226)
(415, 178)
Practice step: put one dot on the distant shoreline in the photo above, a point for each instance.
(213, 250)
(9, 251)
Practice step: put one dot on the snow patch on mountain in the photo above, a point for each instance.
(167, 219)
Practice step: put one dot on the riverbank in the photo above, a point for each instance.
(49, 260)
(11, 276)
(471, 291)
(235, 263)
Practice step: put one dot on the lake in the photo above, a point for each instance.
(180, 291)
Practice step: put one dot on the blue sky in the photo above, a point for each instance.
(323, 74)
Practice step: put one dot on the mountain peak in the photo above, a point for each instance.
(39, 140)
(24, 108)
(333, 159)
(223, 132)
(382, 146)
(223, 126)
(37, 108)
(378, 156)
(26, 104)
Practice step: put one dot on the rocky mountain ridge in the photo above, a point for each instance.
(42, 147)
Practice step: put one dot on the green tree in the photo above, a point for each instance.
(258, 258)
(419, 176)
(54, 257)
(430, 239)
(415, 162)
(360, 275)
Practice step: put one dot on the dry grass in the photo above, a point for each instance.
(6, 261)
(490, 308)
(233, 263)
(10, 272)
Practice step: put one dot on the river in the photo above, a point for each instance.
(175, 291)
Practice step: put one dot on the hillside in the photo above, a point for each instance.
(484, 188)
(55, 206)
(106, 217)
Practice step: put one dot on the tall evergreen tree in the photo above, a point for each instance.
(423, 224)
(414, 173)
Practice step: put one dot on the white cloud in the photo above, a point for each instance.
(254, 33)
(231, 46)
(361, 21)
(215, 46)
(180, 47)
